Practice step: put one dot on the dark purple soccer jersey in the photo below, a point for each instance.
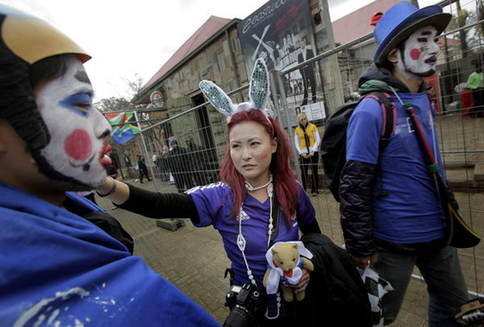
(214, 206)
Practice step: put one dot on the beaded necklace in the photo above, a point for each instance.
(241, 242)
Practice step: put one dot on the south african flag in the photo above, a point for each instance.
(124, 126)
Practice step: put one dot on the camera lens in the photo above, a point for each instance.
(248, 305)
(239, 317)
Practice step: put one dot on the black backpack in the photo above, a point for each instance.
(333, 144)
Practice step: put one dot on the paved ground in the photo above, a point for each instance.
(194, 258)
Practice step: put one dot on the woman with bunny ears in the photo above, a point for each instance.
(258, 201)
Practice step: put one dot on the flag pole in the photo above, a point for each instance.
(145, 150)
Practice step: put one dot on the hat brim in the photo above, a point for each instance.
(439, 21)
(45, 42)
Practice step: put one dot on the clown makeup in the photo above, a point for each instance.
(78, 131)
(419, 53)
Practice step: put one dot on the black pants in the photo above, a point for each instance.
(312, 163)
(478, 109)
(200, 177)
(143, 173)
(183, 181)
(309, 80)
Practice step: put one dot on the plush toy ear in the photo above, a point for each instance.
(217, 97)
(259, 85)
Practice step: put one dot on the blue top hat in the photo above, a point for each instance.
(401, 20)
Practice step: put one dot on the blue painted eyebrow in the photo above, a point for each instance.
(71, 102)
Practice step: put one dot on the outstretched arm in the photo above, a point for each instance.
(150, 204)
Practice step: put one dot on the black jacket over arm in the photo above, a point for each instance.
(336, 295)
(356, 196)
(160, 205)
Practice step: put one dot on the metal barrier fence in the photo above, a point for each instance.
(192, 157)
(195, 148)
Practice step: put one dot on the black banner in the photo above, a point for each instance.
(280, 32)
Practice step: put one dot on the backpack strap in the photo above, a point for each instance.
(388, 113)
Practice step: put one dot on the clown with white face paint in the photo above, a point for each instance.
(57, 267)
(390, 214)
(418, 57)
(78, 131)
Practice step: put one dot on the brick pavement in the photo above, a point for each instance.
(194, 258)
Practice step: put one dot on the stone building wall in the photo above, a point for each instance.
(215, 63)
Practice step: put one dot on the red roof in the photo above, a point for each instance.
(357, 23)
(207, 30)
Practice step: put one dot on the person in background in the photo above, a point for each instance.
(181, 167)
(307, 140)
(57, 268)
(156, 159)
(391, 215)
(308, 72)
(199, 158)
(142, 169)
(475, 83)
(163, 164)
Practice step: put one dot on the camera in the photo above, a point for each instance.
(245, 303)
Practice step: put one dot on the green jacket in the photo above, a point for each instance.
(475, 81)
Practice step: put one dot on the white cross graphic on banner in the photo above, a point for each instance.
(263, 44)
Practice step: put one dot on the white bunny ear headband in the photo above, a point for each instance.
(258, 93)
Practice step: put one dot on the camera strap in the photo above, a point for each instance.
(275, 219)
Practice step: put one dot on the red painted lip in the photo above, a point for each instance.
(104, 159)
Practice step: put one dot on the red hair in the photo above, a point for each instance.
(285, 184)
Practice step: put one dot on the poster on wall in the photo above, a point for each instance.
(314, 111)
(280, 32)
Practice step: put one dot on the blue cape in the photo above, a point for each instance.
(84, 202)
(57, 269)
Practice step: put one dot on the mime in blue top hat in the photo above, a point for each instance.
(395, 27)
(391, 216)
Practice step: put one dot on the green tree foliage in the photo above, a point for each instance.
(113, 104)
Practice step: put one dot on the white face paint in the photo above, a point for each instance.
(419, 53)
(78, 131)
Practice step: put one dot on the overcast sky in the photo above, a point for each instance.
(127, 38)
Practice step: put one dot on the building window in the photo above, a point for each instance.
(221, 61)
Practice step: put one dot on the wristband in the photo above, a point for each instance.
(111, 191)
